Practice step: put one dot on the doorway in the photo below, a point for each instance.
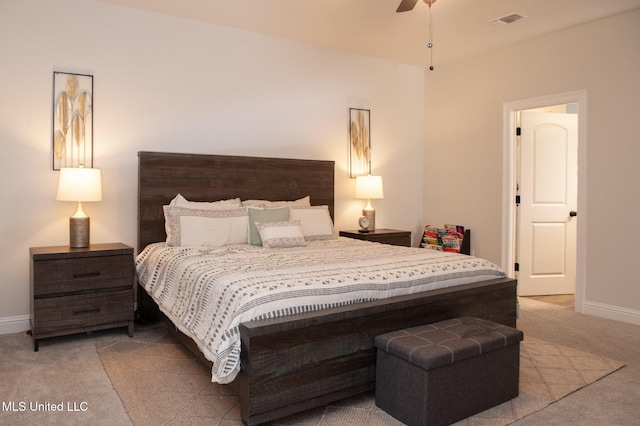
(550, 230)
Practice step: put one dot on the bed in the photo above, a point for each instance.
(292, 363)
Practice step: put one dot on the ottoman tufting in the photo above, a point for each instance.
(440, 373)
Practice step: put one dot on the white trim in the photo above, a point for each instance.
(11, 325)
(508, 181)
(611, 312)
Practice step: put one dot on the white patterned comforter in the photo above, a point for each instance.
(207, 292)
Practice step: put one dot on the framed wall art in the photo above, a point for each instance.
(359, 142)
(72, 133)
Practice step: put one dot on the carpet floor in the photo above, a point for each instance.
(106, 378)
(160, 382)
(62, 384)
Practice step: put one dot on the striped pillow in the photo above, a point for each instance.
(281, 234)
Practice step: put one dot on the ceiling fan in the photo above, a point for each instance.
(406, 5)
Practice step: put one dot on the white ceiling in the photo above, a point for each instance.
(373, 28)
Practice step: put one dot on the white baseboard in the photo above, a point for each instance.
(615, 313)
(11, 325)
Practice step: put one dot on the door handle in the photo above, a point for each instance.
(573, 213)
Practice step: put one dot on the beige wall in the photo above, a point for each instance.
(168, 84)
(464, 142)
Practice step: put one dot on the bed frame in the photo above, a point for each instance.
(295, 363)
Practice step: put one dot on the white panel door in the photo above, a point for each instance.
(548, 202)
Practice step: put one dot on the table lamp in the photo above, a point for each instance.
(368, 187)
(81, 185)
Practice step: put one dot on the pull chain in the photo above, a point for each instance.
(430, 44)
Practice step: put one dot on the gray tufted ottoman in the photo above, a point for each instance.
(440, 373)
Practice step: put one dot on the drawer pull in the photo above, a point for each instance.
(86, 274)
(86, 311)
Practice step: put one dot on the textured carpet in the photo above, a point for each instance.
(160, 382)
(62, 384)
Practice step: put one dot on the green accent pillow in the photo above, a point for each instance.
(258, 215)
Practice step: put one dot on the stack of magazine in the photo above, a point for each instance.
(447, 238)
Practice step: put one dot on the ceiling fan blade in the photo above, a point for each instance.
(406, 5)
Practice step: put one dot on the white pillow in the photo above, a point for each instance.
(281, 234)
(180, 201)
(304, 201)
(315, 221)
(188, 227)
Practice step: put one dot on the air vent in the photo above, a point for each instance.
(508, 19)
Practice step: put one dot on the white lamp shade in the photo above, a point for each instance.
(369, 187)
(79, 184)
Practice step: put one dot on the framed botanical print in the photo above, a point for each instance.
(359, 142)
(72, 133)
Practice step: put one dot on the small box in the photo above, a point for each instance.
(440, 373)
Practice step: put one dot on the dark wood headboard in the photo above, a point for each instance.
(198, 177)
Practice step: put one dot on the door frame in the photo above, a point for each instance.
(510, 110)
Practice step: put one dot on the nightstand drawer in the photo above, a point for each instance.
(384, 236)
(395, 240)
(63, 276)
(82, 311)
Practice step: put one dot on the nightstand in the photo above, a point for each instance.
(76, 290)
(385, 236)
